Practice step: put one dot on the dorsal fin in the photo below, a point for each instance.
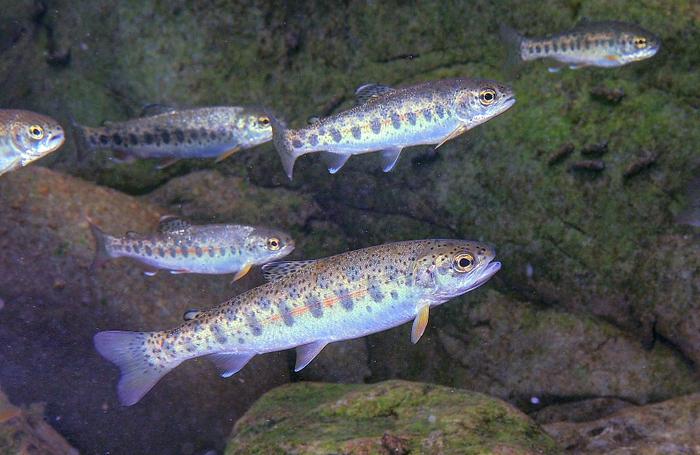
(155, 109)
(190, 314)
(170, 224)
(369, 92)
(277, 270)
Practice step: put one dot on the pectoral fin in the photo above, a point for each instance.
(459, 130)
(281, 269)
(229, 364)
(241, 273)
(228, 153)
(389, 158)
(334, 161)
(166, 163)
(307, 352)
(419, 323)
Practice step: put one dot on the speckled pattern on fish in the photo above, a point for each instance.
(307, 305)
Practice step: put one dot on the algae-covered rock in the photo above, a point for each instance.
(669, 427)
(392, 417)
(24, 431)
(54, 304)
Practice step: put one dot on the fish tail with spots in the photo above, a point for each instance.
(283, 143)
(513, 42)
(140, 359)
(102, 240)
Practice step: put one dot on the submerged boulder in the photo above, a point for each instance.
(392, 417)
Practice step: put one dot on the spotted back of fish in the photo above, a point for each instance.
(26, 136)
(191, 133)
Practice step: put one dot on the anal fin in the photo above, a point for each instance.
(420, 323)
(229, 363)
(166, 163)
(228, 153)
(389, 158)
(334, 161)
(307, 352)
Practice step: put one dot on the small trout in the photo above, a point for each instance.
(388, 120)
(26, 136)
(306, 305)
(172, 134)
(180, 247)
(605, 44)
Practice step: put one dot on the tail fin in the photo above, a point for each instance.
(512, 40)
(79, 138)
(280, 138)
(139, 371)
(102, 255)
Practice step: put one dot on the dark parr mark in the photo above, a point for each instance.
(555, 47)
(396, 121)
(117, 139)
(315, 306)
(375, 291)
(296, 143)
(546, 48)
(376, 126)
(148, 138)
(133, 139)
(104, 140)
(198, 251)
(148, 250)
(356, 132)
(286, 313)
(345, 299)
(440, 111)
(427, 114)
(165, 136)
(336, 135)
(254, 324)
(179, 136)
(161, 252)
(538, 49)
(411, 118)
(313, 140)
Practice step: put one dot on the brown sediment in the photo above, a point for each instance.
(639, 165)
(561, 154)
(598, 149)
(588, 165)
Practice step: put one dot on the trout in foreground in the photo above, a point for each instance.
(180, 247)
(605, 44)
(26, 136)
(171, 134)
(388, 120)
(306, 305)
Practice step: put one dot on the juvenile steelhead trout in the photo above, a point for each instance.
(306, 305)
(180, 247)
(26, 136)
(171, 134)
(388, 120)
(605, 44)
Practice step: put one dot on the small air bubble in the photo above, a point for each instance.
(529, 270)
(432, 418)
(534, 400)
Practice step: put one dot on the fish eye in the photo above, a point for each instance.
(487, 96)
(640, 42)
(36, 132)
(264, 121)
(273, 244)
(463, 262)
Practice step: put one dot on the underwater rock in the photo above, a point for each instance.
(518, 351)
(24, 431)
(45, 240)
(672, 426)
(385, 418)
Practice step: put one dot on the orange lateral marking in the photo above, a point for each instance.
(327, 303)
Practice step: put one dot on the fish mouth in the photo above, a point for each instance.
(489, 271)
(55, 142)
(508, 102)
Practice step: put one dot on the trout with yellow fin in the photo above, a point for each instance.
(605, 44)
(388, 120)
(170, 134)
(306, 305)
(26, 136)
(180, 247)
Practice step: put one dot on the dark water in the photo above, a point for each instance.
(596, 307)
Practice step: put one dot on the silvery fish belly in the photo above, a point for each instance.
(173, 134)
(26, 136)
(388, 120)
(307, 305)
(604, 44)
(180, 247)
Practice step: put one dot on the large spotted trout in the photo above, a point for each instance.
(26, 136)
(306, 305)
(604, 44)
(170, 134)
(181, 247)
(388, 120)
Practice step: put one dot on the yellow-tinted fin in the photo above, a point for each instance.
(228, 153)
(459, 130)
(241, 273)
(420, 323)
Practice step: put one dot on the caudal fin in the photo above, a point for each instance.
(280, 137)
(140, 369)
(101, 252)
(512, 41)
(79, 139)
